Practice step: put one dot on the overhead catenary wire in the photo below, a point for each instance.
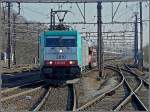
(35, 31)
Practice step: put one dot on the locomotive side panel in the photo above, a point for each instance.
(41, 49)
(79, 50)
(85, 53)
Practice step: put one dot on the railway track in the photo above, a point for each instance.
(22, 100)
(14, 92)
(20, 69)
(143, 94)
(21, 97)
(132, 80)
(143, 89)
(127, 95)
(10, 80)
(108, 98)
(143, 75)
(22, 86)
(111, 99)
(133, 103)
(57, 99)
(46, 98)
(122, 97)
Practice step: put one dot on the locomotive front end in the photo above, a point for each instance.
(60, 55)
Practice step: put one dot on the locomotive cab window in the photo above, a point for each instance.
(61, 42)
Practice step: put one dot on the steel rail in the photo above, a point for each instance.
(144, 81)
(124, 102)
(75, 100)
(131, 71)
(86, 71)
(100, 96)
(72, 99)
(19, 77)
(22, 70)
(121, 104)
(133, 95)
(22, 93)
(40, 104)
(136, 78)
(14, 88)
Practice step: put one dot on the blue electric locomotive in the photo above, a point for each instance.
(62, 54)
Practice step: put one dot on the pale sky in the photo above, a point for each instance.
(40, 13)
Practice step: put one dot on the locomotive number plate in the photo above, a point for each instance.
(61, 56)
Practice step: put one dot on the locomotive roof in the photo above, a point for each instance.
(47, 33)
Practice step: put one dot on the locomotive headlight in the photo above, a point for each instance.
(50, 62)
(71, 62)
(60, 50)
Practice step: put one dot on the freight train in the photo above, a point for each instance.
(63, 54)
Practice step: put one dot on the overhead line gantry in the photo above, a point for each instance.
(99, 22)
(70, 1)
